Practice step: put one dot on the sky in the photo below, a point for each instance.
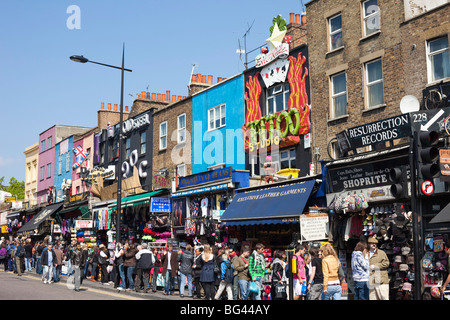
(40, 86)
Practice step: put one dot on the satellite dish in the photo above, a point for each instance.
(409, 103)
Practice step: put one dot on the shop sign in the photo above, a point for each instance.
(78, 197)
(314, 226)
(216, 214)
(16, 205)
(363, 176)
(430, 281)
(206, 177)
(4, 229)
(133, 124)
(161, 182)
(83, 224)
(200, 190)
(280, 51)
(10, 199)
(376, 132)
(160, 205)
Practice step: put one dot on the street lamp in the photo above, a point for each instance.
(82, 59)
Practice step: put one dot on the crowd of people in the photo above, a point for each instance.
(205, 271)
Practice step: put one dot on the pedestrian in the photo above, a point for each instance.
(278, 288)
(299, 277)
(20, 257)
(94, 263)
(360, 271)
(3, 256)
(315, 280)
(186, 260)
(48, 260)
(85, 251)
(447, 279)
(129, 262)
(155, 269)
(28, 255)
(120, 281)
(78, 258)
(207, 275)
(143, 266)
(170, 269)
(59, 261)
(226, 278)
(256, 268)
(233, 256)
(378, 275)
(38, 254)
(197, 271)
(103, 262)
(241, 267)
(330, 268)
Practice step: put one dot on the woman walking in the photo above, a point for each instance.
(330, 269)
(207, 276)
(129, 263)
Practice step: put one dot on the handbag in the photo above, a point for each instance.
(280, 290)
(341, 273)
(253, 287)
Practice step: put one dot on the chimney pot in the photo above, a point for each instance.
(204, 79)
(304, 19)
(147, 95)
(143, 95)
(168, 95)
(158, 96)
(292, 17)
(193, 78)
(126, 108)
(199, 78)
(109, 106)
(115, 106)
(153, 96)
(102, 105)
(210, 79)
(163, 98)
(179, 98)
(297, 18)
(174, 98)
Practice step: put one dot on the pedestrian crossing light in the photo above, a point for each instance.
(428, 154)
(399, 178)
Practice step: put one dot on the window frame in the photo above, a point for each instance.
(43, 145)
(219, 107)
(430, 68)
(365, 18)
(181, 165)
(49, 171)
(143, 143)
(42, 173)
(50, 142)
(181, 129)
(333, 96)
(367, 85)
(68, 162)
(284, 92)
(127, 147)
(162, 136)
(332, 33)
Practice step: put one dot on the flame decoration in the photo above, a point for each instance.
(252, 98)
(298, 97)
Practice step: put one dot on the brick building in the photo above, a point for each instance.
(356, 65)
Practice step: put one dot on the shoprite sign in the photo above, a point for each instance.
(376, 132)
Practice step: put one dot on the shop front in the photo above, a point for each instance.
(200, 200)
(42, 223)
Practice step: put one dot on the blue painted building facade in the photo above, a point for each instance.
(217, 117)
(63, 165)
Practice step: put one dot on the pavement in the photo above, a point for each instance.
(87, 283)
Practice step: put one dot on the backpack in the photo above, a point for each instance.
(228, 272)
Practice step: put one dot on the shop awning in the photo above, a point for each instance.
(14, 214)
(40, 217)
(270, 205)
(442, 216)
(78, 211)
(135, 200)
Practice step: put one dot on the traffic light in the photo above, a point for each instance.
(399, 178)
(427, 155)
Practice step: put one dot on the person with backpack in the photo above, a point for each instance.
(20, 257)
(256, 269)
(226, 278)
(279, 280)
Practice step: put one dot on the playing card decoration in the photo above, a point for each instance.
(275, 72)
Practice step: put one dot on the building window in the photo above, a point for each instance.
(163, 135)
(216, 117)
(335, 31)
(438, 59)
(143, 142)
(339, 95)
(287, 159)
(374, 83)
(181, 168)
(102, 152)
(42, 145)
(371, 17)
(50, 141)
(68, 161)
(181, 128)
(49, 170)
(60, 164)
(42, 173)
(277, 98)
(128, 147)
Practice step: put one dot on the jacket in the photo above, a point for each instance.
(59, 257)
(197, 268)
(360, 266)
(330, 269)
(241, 268)
(207, 267)
(78, 258)
(3, 252)
(186, 261)
(44, 257)
(129, 259)
(256, 265)
(379, 275)
(144, 259)
(173, 263)
(278, 273)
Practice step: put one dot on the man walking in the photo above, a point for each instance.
(78, 258)
(143, 266)
(170, 269)
(20, 256)
(48, 261)
(257, 267)
(378, 275)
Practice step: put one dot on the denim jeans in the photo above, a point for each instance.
(130, 271)
(169, 285)
(27, 264)
(243, 285)
(56, 273)
(183, 281)
(361, 290)
(38, 265)
(332, 291)
(123, 281)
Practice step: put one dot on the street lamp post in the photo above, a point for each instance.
(82, 59)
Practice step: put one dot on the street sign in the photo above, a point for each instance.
(427, 187)
(432, 120)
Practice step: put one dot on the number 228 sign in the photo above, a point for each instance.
(427, 187)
